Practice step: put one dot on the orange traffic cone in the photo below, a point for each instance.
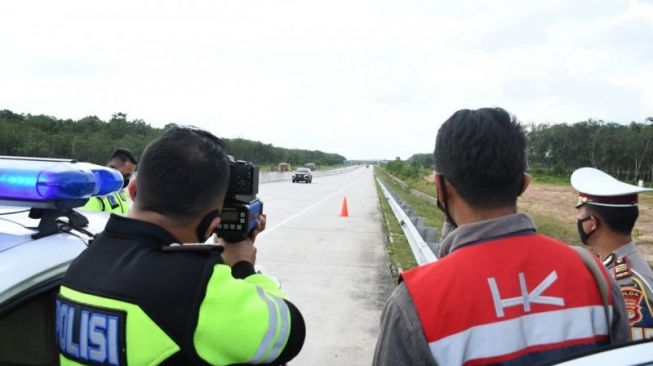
(344, 212)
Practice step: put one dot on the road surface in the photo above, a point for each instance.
(333, 268)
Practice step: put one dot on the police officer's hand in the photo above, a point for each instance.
(243, 250)
(260, 226)
(237, 252)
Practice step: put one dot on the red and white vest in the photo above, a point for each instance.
(517, 299)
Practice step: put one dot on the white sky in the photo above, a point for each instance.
(365, 79)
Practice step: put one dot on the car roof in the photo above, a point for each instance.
(27, 262)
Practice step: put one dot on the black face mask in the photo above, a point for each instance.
(125, 177)
(204, 225)
(583, 235)
(445, 208)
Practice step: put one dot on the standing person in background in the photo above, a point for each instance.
(607, 212)
(500, 293)
(123, 161)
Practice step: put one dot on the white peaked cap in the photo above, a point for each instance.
(599, 188)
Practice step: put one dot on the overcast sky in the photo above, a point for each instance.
(366, 79)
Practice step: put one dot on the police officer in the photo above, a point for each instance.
(123, 161)
(607, 211)
(142, 295)
(493, 297)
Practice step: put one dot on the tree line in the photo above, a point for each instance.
(92, 140)
(623, 151)
(415, 167)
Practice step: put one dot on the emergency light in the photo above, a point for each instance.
(107, 180)
(54, 180)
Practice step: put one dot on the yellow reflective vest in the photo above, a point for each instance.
(132, 299)
(117, 202)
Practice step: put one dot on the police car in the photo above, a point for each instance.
(41, 232)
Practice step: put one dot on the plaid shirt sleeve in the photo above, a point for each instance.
(401, 340)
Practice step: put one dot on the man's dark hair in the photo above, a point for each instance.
(618, 219)
(182, 173)
(123, 155)
(482, 153)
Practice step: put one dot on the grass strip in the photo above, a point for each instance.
(432, 216)
(397, 248)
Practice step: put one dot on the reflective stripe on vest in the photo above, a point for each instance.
(241, 321)
(506, 298)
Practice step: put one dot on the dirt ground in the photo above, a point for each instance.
(557, 202)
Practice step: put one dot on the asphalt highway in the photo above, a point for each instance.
(332, 268)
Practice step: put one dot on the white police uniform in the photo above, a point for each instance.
(625, 264)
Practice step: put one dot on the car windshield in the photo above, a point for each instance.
(303, 170)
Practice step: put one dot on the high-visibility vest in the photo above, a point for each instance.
(115, 202)
(100, 329)
(525, 298)
(136, 301)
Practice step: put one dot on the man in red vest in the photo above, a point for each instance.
(500, 293)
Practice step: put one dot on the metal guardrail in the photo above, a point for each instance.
(266, 177)
(418, 246)
(414, 192)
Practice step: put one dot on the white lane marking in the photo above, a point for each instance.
(267, 231)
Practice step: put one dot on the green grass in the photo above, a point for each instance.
(551, 227)
(423, 186)
(398, 249)
(546, 225)
(432, 216)
(549, 179)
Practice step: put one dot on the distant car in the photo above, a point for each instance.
(302, 175)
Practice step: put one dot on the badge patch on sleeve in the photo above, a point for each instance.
(632, 298)
(89, 334)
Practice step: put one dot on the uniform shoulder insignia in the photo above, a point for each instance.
(609, 260)
(622, 268)
(196, 248)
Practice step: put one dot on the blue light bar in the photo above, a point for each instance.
(47, 181)
(109, 180)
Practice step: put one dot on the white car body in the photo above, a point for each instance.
(26, 262)
(640, 353)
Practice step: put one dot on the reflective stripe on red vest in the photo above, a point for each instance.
(504, 299)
